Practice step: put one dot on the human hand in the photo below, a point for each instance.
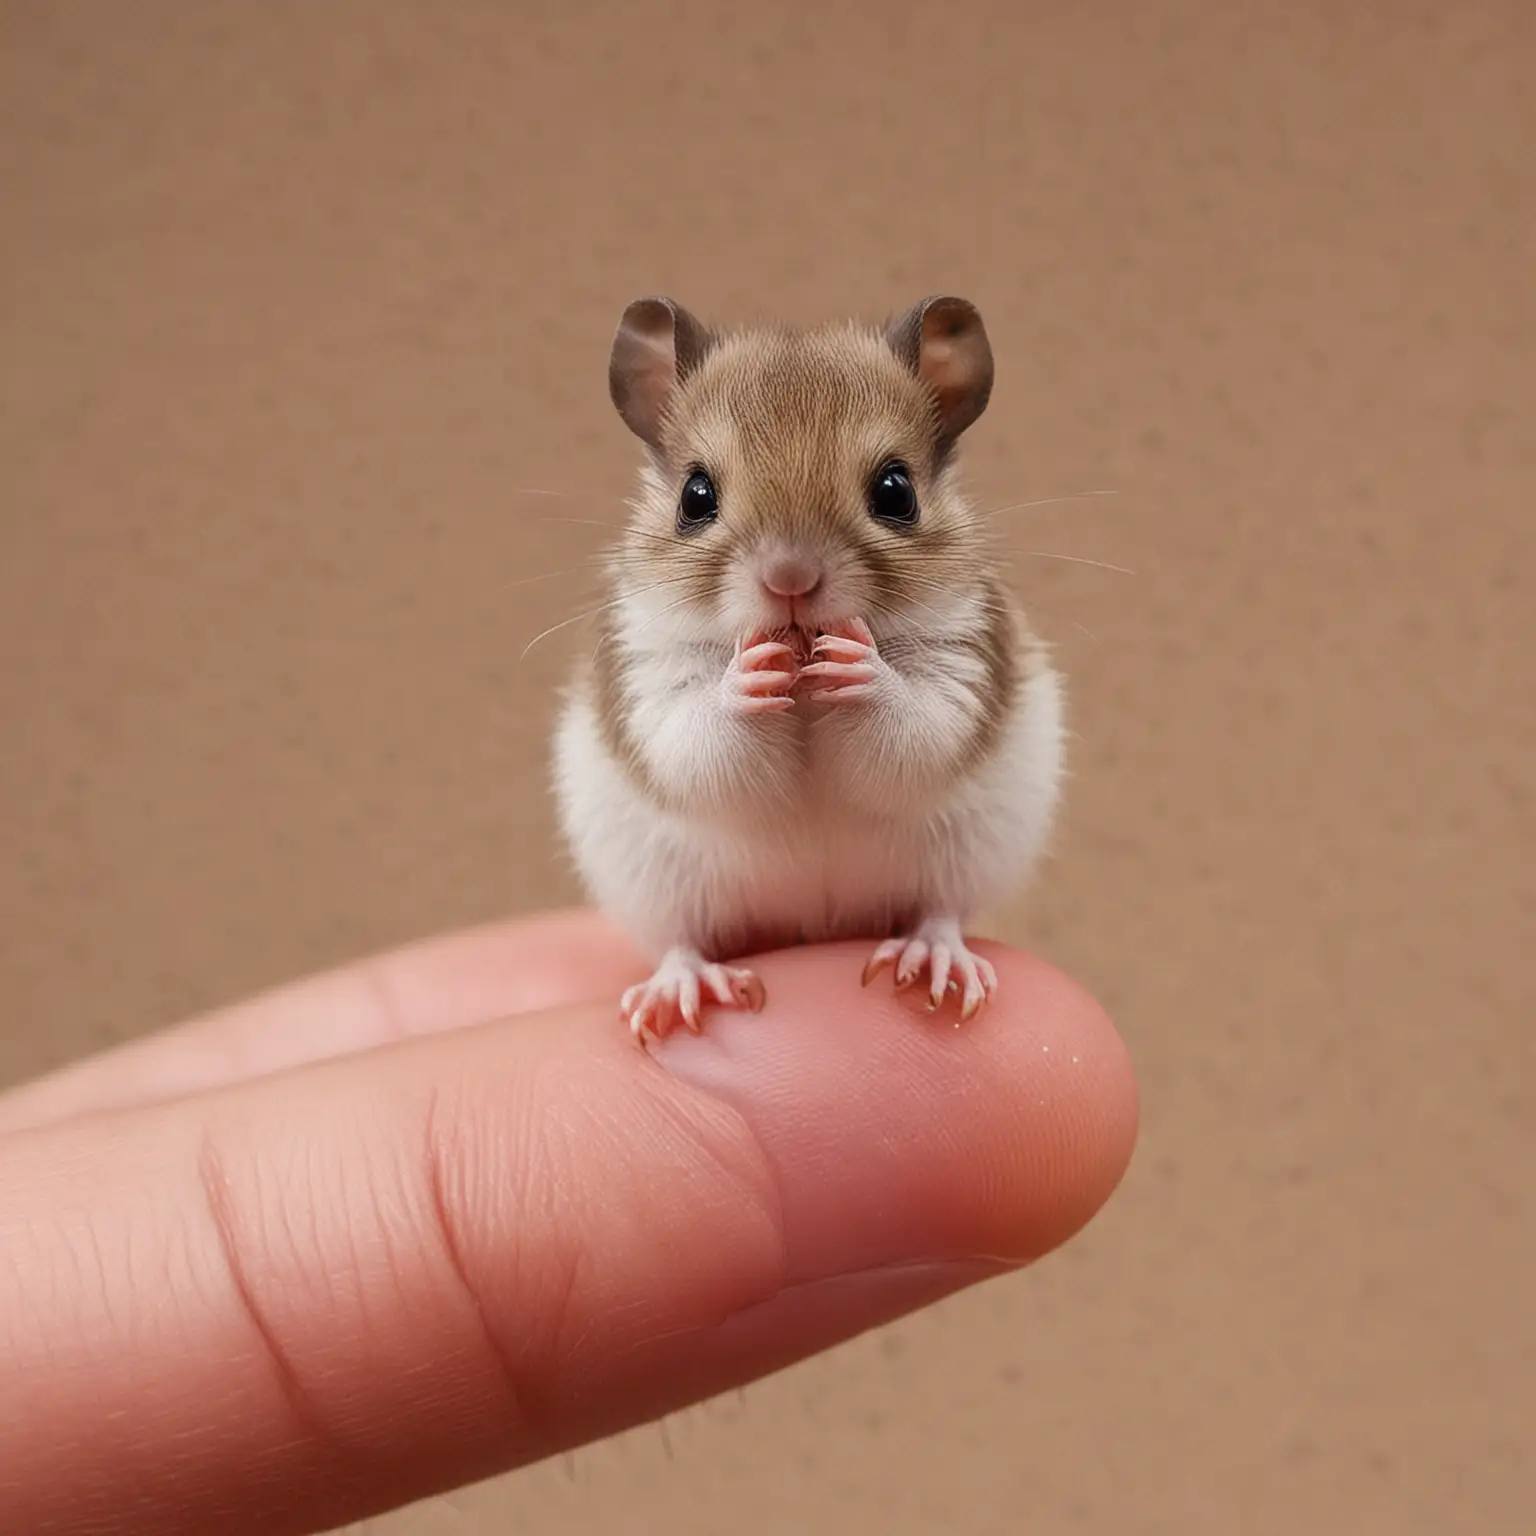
(334, 1249)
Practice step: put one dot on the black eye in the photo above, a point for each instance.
(699, 504)
(892, 497)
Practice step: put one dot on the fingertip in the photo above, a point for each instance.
(1003, 1137)
(1045, 1031)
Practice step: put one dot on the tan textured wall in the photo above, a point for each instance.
(300, 299)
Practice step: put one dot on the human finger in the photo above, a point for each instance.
(441, 983)
(320, 1294)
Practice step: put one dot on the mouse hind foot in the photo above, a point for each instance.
(680, 988)
(937, 947)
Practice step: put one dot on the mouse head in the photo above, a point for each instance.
(798, 478)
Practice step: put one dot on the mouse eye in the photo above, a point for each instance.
(892, 496)
(699, 503)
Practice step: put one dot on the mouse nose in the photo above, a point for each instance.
(792, 575)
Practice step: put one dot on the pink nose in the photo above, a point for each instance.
(791, 576)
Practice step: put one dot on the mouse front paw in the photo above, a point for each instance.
(680, 989)
(761, 677)
(846, 665)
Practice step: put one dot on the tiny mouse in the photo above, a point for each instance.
(813, 711)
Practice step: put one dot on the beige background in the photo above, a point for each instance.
(301, 301)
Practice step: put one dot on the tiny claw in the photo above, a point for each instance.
(938, 965)
(759, 658)
(853, 630)
(912, 963)
(681, 992)
(886, 954)
(690, 1002)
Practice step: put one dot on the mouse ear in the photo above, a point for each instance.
(657, 345)
(943, 341)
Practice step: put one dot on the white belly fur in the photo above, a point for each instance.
(824, 874)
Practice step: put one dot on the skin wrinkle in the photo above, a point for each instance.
(333, 1249)
(98, 1271)
(217, 1189)
(677, 1115)
(766, 1191)
(540, 1254)
(533, 1410)
(391, 1207)
(547, 1349)
(434, 1163)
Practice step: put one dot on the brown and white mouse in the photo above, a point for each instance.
(814, 712)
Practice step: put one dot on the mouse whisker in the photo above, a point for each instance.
(928, 584)
(592, 613)
(685, 598)
(895, 613)
(1103, 565)
(678, 549)
(598, 569)
(592, 571)
(621, 533)
(1044, 501)
(583, 522)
